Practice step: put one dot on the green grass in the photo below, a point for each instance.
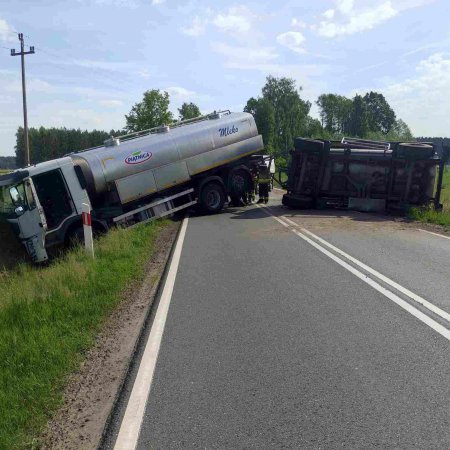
(48, 320)
(283, 176)
(436, 217)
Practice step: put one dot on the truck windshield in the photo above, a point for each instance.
(11, 197)
(6, 204)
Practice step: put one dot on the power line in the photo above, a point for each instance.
(53, 55)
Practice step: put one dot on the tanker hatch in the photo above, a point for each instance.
(215, 115)
(112, 142)
(163, 129)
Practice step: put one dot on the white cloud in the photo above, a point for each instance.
(353, 20)
(118, 3)
(329, 14)
(293, 40)
(297, 23)
(423, 101)
(111, 103)
(345, 6)
(98, 64)
(6, 31)
(197, 27)
(181, 94)
(238, 19)
(157, 2)
(264, 60)
(63, 114)
(33, 85)
(244, 57)
(144, 73)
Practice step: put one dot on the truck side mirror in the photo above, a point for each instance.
(15, 195)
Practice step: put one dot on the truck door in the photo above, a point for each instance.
(30, 219)
(54, 197)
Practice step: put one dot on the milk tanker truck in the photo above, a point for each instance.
(133, 179)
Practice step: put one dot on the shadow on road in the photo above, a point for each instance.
(251, 212)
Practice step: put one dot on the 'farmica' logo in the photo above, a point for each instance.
(138, 157)
(227, 131)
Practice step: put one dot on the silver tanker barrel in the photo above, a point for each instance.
(168, 156)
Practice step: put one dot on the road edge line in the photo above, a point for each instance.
(444, 332)
(130, 426)
(434, 234)
(413, 296)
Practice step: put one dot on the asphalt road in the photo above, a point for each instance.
(270, 343)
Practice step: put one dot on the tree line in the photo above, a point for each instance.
(280, 114)
(7, 162)
(51, 143)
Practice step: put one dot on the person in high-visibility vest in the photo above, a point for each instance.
(263, 183)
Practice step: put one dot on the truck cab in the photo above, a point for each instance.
(46, 199)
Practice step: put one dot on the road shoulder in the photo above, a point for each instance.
(91, 392)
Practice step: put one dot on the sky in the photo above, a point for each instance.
(95, 58)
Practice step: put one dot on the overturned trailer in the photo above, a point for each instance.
(364, 175)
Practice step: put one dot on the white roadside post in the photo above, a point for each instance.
(87, 227)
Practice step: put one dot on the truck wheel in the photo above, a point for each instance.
(212, 198)
(240, 182)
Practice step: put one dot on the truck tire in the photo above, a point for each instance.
(239, 182)
(212, 198)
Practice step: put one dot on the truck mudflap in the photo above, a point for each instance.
(36, 249)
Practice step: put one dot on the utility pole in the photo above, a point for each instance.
(24, 94)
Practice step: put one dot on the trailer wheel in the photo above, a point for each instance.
(212, 198)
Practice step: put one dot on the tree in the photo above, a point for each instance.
(290, 112)
(152, 111)
(314, 128)
(400, 132)
(335, 113)
(264, 115)
(189, 111)
(358, 125)
(380, 115)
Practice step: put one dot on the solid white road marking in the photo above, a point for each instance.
(436, 234)
(390, 295)
(134, 413)
(417, 298)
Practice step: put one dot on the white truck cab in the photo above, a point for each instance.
(45, 197)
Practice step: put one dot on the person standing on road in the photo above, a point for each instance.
(263, 183)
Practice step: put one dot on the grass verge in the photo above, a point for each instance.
(49, 318)
(429, 215)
